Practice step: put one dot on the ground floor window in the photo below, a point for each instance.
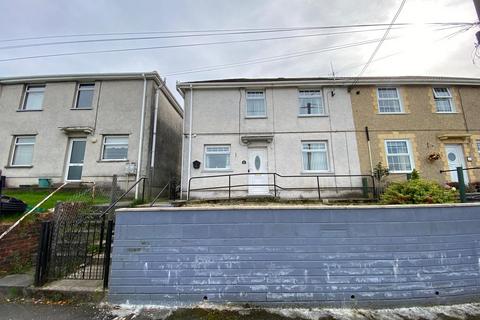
(115, 148)
(217, 157)
(315, 156)
(399, 156)
(22, 154)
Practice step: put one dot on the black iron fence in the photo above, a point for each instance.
(73, 250)
(465, 195)
(321, 185)
(76, 243)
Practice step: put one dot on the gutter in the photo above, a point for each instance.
(189, 172)
(154, 137)
(140, 142)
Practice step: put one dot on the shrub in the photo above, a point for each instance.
(417, 191)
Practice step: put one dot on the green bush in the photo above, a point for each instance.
(417, 191)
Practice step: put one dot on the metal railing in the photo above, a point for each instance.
(276, 187)
(461, 180)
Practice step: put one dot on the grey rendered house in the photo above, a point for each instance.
(256, 134)
(88, 127)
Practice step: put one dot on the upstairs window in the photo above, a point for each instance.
(478, 147)
(311, 102)
(256, 104)
(315, 156)
(399, 156)
(217, 157)
(84, 96)
(33, 99)
(115, 148)
(443, 100)
(389, 100)
(22, 154)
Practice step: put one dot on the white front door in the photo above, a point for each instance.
(76, 155)
(455, 159)
(257, 166)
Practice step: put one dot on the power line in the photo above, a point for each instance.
(275, 58)
(171, 37)
(219, 31)
(381, 41)
(158, 47)
(281, 57)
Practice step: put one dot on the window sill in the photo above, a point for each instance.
(454, 112)
(316, 173)
(27, 110)
(256, 117)
(392, 113)
(113, 160)
(81, 108)
(216, 170)
(18, 167)
(313, 115)
(399, 172)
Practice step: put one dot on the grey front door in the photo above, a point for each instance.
(76, 155)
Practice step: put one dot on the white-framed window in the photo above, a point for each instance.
(22, 154)
(115, 148)
(389, 100)
(311, 102)
(33, 99)
(256, 104)
(443, 100)
(84, 96)
(399, 156)
(217, 157)
(315, 156)
(478, 147)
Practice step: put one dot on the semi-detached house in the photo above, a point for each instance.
(88, 127)
(256, 134)
(291, 137)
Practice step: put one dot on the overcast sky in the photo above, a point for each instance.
(416, 50)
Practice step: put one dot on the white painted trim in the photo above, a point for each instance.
(410, 155)
(70, 146)
(402, 110)
(15, 139)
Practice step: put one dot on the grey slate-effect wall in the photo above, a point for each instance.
(337, 257)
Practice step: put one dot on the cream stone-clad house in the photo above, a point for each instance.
(268, 137)
(88, 127)
(430, 124)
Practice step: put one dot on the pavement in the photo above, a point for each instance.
(81, 299)
(35, 310)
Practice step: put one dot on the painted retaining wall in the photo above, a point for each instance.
(330, 256)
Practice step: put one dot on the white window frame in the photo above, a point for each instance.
(263, 98)
(478, 147)
(449, 98)
(399, 98)
(79, 88)
(322, 102)
(229, 153)
(327, 151)
(102, 158)
(410, 156)
(16, 143)
(32, 88)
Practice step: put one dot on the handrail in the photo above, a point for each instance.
(158, 195)
(122, 196)
(31, 210)
(464, 169)
(274, 185)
